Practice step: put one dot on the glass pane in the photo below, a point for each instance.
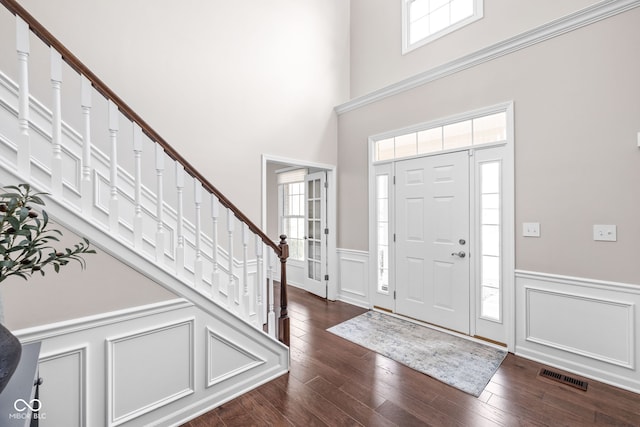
(490, 201)
(457, 135)
(461, 9)
(317, 252)
(310, 229)
(382, 189)
(490, 128)
(491, 271)
(309, 249)
(383, 233)
(316, 269)
(430, 140)
(490, 240)
(490, 177)
(436, 4)
(491, 216)
(316, 209)
(383, 210)
(490, 303)
(310, 269)
(316, 185)
(406, 145)
(310, 209)
(384, 148)
(309, 189)
(418, 9)
(316, 229)
(439, 19)
(418, 30)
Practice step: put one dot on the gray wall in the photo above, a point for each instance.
(222, 81)
(577, 113)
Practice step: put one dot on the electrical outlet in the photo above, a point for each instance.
(605, 233)
(531, 229)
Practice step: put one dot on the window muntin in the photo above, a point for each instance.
(464, 133)
(427, 20)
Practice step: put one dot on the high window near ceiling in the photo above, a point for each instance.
(426, 20)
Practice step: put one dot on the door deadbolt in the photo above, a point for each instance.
(462, 241)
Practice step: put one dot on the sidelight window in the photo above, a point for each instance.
(490, 236)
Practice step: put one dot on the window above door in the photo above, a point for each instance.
(424, 21)
(482, 129)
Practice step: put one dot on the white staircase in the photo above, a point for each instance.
(115, 181)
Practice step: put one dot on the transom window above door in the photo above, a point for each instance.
(432, 139)
(426, 20)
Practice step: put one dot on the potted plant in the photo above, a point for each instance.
(26, 249)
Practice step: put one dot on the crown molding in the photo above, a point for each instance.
(555, 28)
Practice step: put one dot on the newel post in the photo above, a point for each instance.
(283, 320)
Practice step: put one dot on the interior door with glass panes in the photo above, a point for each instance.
(316, 234)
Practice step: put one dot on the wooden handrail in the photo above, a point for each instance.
(281, 249)
(44, 35)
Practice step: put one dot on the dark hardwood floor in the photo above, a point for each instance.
(333, 382)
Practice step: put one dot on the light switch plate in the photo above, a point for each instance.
(531, 229)
(605, 233)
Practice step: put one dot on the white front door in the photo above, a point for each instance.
(315, 280)
(432, 240)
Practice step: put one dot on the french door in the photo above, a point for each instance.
(315, 279)
(432, 225)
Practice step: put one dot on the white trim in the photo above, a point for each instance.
(580, 281)
(110, 363)
(81, 351)
(53, 330)
(508, 209)
(566, 352)
(628, 307)
(213, 335)
(555, 28)
(353, 296)
(332, 206)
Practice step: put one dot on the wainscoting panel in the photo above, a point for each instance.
(158, 364)
(584, 326)
(64, 390)
(149, 369)
(226, 359)
(353, 270)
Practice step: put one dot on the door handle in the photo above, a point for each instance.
(460, 254)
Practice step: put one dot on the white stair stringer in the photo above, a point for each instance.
(204, 354)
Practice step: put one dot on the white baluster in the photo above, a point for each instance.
(114, 213)
(56, 125)
(259, 288)
(24, 145)
(87, 184)
(245, 272)
(197, 267)
(271, 315)
(159, 205)
(137, 219)
(215, 275)
(180, 224)
(231, 288)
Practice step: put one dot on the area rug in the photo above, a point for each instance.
(459, 362)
